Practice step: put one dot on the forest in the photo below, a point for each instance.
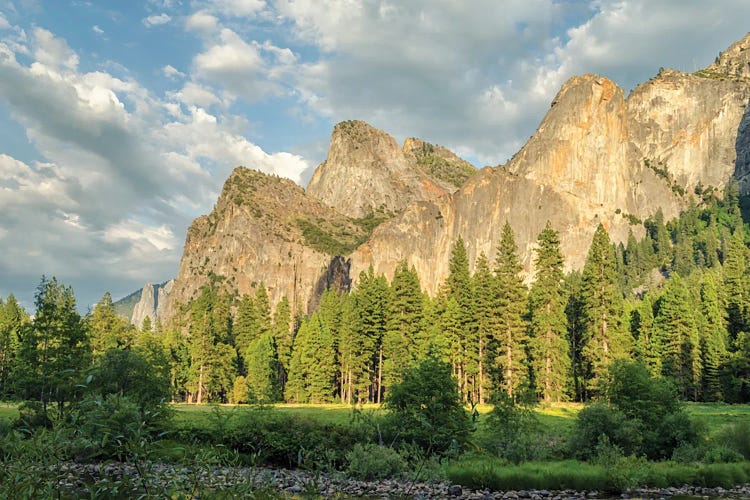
(454, 382)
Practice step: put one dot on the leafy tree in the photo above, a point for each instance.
(511, 325)
(604, 338)
(426, 408)
(54, 349)
(129, 372)
(551, 358)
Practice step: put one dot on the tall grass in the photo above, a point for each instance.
(483, 472)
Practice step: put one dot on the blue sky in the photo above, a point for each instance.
(120, 120)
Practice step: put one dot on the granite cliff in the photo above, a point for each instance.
(597, 157)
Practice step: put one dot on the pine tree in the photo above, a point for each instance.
(212, 359)
(574, 312)
(244, 328)
(460, 288)
(312, 370)
(676, 337)
(642, 329)
(402, 323)
(54, 349)
(372, 304)
(604, 339)
(551, 358)
(107, 330)
(283, 337)
(262, 370)
(511, 328)
(485, 307)
(12, 319)
(736, 284)
(714, 338)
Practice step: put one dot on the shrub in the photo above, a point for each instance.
(722, 455)
(129, 373)
(372, 461)
(426, 408)
(512, 432)
(737, 437)
(600, 419)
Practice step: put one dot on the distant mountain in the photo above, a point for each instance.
(148, 301)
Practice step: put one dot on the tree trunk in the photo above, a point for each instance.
(199, 396)
(380, 374)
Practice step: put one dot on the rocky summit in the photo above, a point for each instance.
(598, 156)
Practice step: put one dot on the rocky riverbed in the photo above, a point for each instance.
(158, 480)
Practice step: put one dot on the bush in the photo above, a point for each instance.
(722, 455)
(426, 408)
(129, 373)
(512, 432)
(737, 437)
(644, 416)
(600, 419)
(372, 461)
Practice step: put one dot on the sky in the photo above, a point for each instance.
(121, 119)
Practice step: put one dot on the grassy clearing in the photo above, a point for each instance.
(8, 411)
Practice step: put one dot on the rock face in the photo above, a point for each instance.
(263, 229)
(366, 172)
(597, 157)
(152, 304)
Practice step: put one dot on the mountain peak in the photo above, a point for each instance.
(733, 62)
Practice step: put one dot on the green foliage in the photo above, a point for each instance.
(736, 436)
(549, 349)
(512, 432)
(426, 408)
(54, 349)
(130, 374)
(372, 461)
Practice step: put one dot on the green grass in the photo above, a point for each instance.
(8, 411)
(487, 472)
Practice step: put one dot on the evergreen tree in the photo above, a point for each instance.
(245, 329)
(551, 358)
(107, 330)
(676, 337)
(574, 312)
(604, 338)
(402, 323)
(54, 349)
(12, 319)
(714, 338)
(372, 304)
(511, 328)
(146, 325)
(212, 359)
(460, 288)
(283, 337)
(262, 370)
(736, 284)
(485, 309)
(312, 369)
(642, 329)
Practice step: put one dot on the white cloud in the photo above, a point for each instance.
(193, 93)
(52, 51)
(96, 29)
(202, 21)
(4, 24)
(125, 171)
(161, 237)
(171, 72)
(239, 8)
(157, 20)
